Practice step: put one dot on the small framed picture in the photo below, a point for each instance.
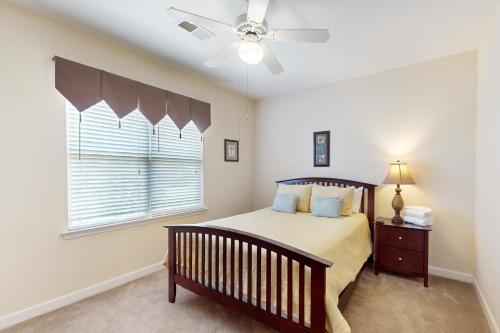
(321, 149)
(231, 150)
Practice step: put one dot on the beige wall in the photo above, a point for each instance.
(36, 264)
(487, 234)
(423, 114)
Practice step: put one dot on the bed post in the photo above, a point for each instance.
(371, 208)
(171, 265)
(318, 290)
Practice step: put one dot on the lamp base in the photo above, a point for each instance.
(397, 205)
(397, 219)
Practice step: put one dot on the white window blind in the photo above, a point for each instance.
(122, 174)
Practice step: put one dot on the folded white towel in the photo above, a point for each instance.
(417, 213)
(420, 208)
(418, 221)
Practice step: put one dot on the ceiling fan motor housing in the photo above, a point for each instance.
(248, 30)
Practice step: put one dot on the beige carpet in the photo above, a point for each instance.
(384, 303)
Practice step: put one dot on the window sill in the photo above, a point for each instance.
(69, 234)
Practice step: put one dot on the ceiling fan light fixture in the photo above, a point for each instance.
(251, 52)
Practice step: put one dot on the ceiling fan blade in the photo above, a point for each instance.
(301, 35)
(206, 22)
(271, 62)
(257, 10)
(223, 54)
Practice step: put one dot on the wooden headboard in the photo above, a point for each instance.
(367, 201)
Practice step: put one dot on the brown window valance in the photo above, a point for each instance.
(81, 85)
(200, 114)
(179, 109)
(84, 86)
(152, 103)
(120, 93)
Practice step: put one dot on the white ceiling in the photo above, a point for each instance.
(367, 36)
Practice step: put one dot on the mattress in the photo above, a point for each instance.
(344, 241)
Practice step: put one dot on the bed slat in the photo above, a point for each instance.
(179, 253)
(301, 294)
(224, 264)
(196, 258)
(259, 277)
(249, 273)
(268, 280)
(240, 270)
(216, 273)
(232, 267)
(289, 287)
(278, 284)
(210, 261)
(184, 259)
(190, 258)
(203, 259)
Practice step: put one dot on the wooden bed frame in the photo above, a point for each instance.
(194, 271)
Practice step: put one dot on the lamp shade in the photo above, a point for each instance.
(399, 174)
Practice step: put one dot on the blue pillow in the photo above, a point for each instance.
(327, 206)
(286, 203)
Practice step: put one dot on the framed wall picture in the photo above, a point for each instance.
(321, 149)
(231, 150)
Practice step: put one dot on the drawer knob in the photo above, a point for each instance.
(400, 237)
(400, 259)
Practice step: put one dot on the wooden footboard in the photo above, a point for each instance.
(221, 277)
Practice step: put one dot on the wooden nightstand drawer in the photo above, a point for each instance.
(410, 239)
(405, 261)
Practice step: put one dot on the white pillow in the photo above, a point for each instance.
(356, 200)
(345, 193)
(302, 191)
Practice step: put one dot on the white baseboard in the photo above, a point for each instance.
(486, 308)
(56, 303)
(447, 273)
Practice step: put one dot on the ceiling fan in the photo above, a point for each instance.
(252, 29)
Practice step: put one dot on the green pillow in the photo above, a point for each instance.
(327, 206)
(286, 203)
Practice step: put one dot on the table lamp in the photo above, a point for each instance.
(398, 175)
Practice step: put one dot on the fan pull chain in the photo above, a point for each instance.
(180, 134)
(79, 135)
(119, 124)
(153, 129)
(158, 137)
(201, 137)
(246, 100)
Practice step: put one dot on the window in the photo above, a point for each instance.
(130, 172)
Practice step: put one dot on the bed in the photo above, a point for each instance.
(294, 272)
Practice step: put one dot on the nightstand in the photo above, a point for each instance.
(402, 248)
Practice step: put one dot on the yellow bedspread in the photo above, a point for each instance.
(344, 241)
